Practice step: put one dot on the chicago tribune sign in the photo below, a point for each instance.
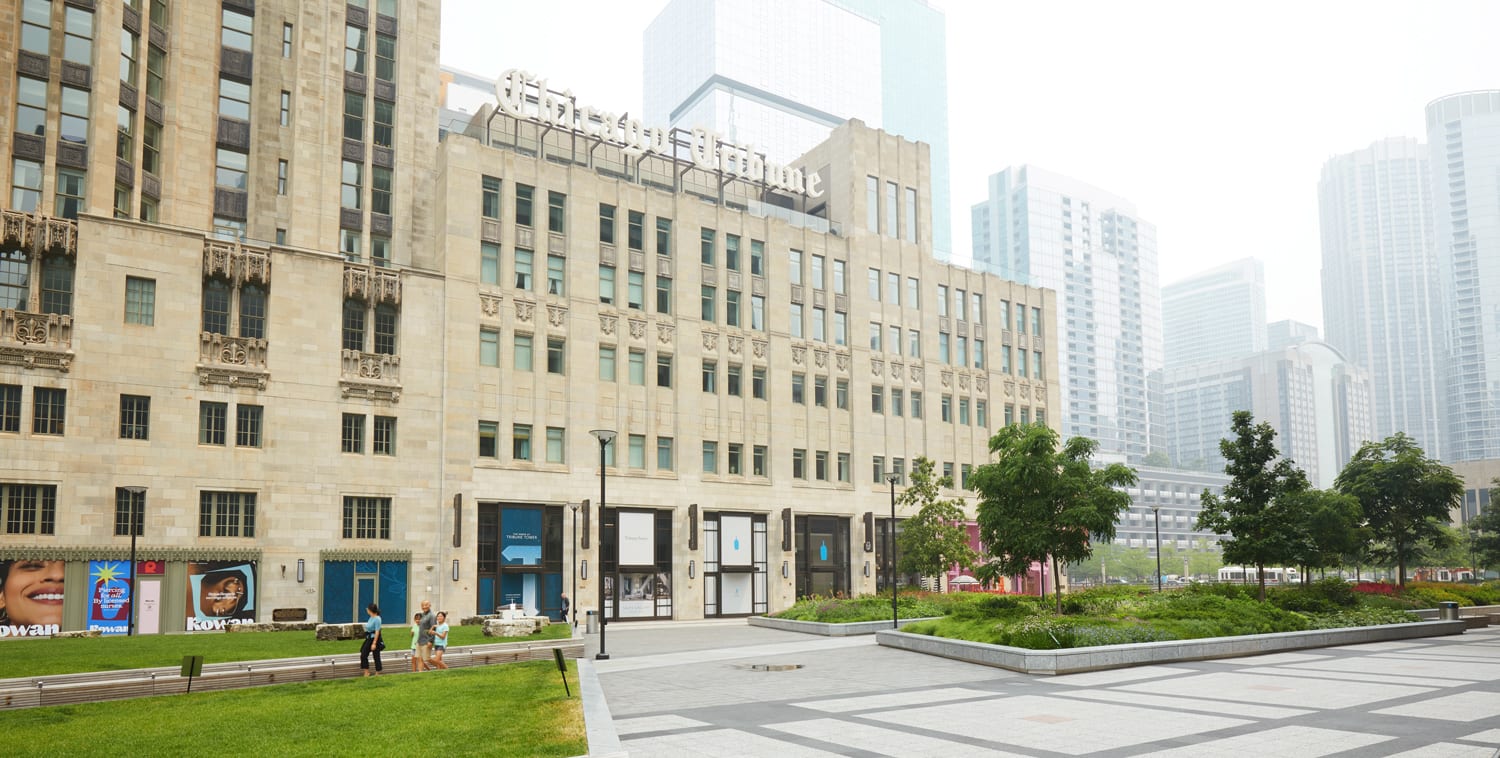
(707, 150)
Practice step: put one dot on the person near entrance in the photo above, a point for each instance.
(424, 638)
(416, 635)
(440, 640)
(373, 641)
(567, 603)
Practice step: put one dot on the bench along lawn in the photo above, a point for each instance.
(43, 657)
(1124, 615)
(515, 709)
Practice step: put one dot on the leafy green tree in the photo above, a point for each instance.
(1331, 528)
(1485, 532)
(1037, 500)
(936, 537)
(1255, 509)
(1204, 562)
(1158, 459)
(1406, 496)
(1449, 549)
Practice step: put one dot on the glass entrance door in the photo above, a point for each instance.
(822, 556)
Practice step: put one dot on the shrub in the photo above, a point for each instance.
(1324, 596)
(1375, 588)
(1429, 595)
(1224, 589)
(1365, 616)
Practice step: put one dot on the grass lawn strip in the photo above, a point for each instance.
(49, 657)
(518, 709)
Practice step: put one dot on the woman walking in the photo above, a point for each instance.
(373, 641)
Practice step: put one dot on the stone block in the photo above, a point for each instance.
(509, 627)
(340, 631)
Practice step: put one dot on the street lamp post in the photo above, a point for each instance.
(891, 534)
(135, 493)
(1156, 522)
(573, 599)
(605, 436)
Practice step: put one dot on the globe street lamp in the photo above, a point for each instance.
(136, 493)
(1156, 522)
(891, 534)
(605, 436)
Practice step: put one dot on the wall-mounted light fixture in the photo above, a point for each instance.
(867, 568)
(455, 569)
(583, 569)
(301, 570)
(786, 570)
(692, 570)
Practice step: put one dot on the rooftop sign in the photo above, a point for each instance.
(707, 150)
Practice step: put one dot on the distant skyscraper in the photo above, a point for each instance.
(1220, 313)
(780, 74)
(1463, 135)
(1381, 292)
(1048, 230)
(1285, 333)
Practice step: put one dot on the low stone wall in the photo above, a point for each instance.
(827, 630)
(1080, 659)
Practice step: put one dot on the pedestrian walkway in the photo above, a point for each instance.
(694, 689)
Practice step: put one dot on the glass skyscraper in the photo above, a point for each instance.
(1052, 231)
(778, 75)
(1219, 313)
(1381, 303)
(1463, 137)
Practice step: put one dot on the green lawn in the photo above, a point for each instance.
(41, 657)
(518, 709)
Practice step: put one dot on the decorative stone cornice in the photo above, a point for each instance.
(39, 235)
(36, 340)
(236, 262)
(122, 552)
(363, 554)
(372, 284)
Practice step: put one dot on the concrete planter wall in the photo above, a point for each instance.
(1075, 660)
(827, 630)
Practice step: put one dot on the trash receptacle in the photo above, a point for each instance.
(591, 622)
(1447, 610)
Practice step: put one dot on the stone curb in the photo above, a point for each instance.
(828, 630)
(1076, 660)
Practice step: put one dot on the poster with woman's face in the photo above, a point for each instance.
(220, 593)
(31, 598)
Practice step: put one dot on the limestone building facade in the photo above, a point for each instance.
(319, 358)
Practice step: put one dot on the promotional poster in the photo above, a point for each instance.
(220, 593)
(110, 597)
(31, 598)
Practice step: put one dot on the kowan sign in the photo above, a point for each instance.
(708, 151)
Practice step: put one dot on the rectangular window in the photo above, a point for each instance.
(286, 108)
(799, 389)
(841, 394)
(125, 134)
(70, 189)
(1010, 415)
(706, 246)
(140, 301)
(31, 106)
(734, 380)
(520, 442)
(910, 230)
(281, 176)
(663, 236)
(914, 292)
(236, 30)
(736, 459)
(29, 508)
(26, 185)
(758, 383)
(978, 353)
(637, 454)
(963, 351)
(557, 212)
(874, 285)
(893, 341)
(380, 190)
(794, 267)
(947, 409)
(820, 391)
(231, 168)
(663, 294)
(135, 417)
(914, 343)
(877, 399)
(916, 404)
(367, 518)
(898, 405)
(840, 328)
(489, 434)
(355, 44)
(607, 284)
(875, 336)
(489, 205)
(731, 308)
(982, 414)
(1036, 365)
(898, 467)
(523, 269)
(709, 310)
(489, 347)
(385, 435)
(872, 211)
(877, 469)
(78, 39)
(638, 368)
(635, 230)
(963, 410)
(606, 363)
(758, 460)
(1005, 315)
(36, 26)
(354, 114)
(757, 258)
(1021, 363)
(213, 422)
(964, 476)
(521, 351)
(556, 275)
(942, 300)
(732, 252)
(555, 445)
(840, 277)
(758, 313)
(226, 514)
(247, 425)
(819, 325)
(352, 181)
(635, 290)
(489, 263)
(893, 288)
(74, 121)
(385, 58)
(976, 313)
(711, 376)
(286, 38)
(156, 64)
(817, 272)
(959, 306)
(891, 212)
(710, 457)
(844, 472)
(607, 224)
(664, 371)
(799, 463)
(665, 456)
(1004, 359)
(353, 436)
(523, 205)
(10, 408)
(130, 512)
(944, 353)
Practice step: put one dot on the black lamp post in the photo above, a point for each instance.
(891, 534)
(135, 493)
(1156, 522)
(605, 436)
(573, 599)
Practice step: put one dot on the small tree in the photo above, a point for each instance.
(1038, 501)
(1331, 528)
(1406, 496)
(1484, 533)
(1254, 509)
(936, 537)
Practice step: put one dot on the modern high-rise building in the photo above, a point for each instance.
(1051, 231)
(1463, 137)
(1381, 296)
(311, 356)
(778, 75)
(1216, 314)
(1288, 332)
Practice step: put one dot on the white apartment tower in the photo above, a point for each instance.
(1048, 230)
(1381, 303)
(1220, 313)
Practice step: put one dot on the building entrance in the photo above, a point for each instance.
(520, 558)
(735, 576)
(822, 546)
(636, 547)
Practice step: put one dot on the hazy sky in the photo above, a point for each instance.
(1213, 118)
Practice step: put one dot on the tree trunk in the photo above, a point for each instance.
(1260, 575)
(1056, 585)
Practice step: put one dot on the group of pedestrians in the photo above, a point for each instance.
(429, 639)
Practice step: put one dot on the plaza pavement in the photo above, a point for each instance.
(689, 689)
